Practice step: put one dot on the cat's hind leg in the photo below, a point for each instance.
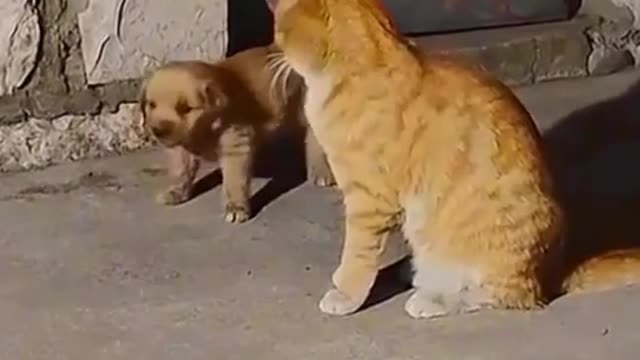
(443, 289)
(443, 284)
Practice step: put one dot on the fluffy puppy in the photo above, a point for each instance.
(224, 112)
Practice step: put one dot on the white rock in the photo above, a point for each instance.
(634, 7)
(38, 143)
(123, 39)
(19, 41)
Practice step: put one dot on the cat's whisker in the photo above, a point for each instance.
(274, 63)
(275, 69)
(273, 55)
(282, 68)
(281, 72)
(285, 78)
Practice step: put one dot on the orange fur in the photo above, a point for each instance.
(444, 151)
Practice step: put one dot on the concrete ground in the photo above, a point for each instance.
(92, 268)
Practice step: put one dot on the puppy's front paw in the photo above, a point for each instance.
(323, 181)
(173, 196)
(235, 214)
(320, 174)
(338, 303)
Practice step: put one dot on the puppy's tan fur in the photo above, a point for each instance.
(224, 112)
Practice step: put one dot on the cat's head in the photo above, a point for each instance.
(301, 30)
(315, 33)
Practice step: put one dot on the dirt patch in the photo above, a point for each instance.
(88, 181)
(153, 172)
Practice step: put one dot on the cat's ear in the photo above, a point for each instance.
(272, 4)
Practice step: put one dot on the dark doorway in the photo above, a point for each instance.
(437, 16)
(251, 22)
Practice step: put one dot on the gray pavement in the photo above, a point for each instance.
(93, 269)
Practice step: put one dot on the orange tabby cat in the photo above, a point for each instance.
(444, 151)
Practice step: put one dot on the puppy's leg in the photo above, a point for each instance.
(236, 160)
(318, 169)
(182, 169)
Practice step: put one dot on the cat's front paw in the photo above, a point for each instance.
(173, 196)
(419, 306)
(338, 303)
(235, 214)
(426, 305)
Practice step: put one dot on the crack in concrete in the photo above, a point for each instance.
(535, 61)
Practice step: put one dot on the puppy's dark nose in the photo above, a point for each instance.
(162, 129)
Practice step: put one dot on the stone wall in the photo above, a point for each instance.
(616, 38)
(70, 70)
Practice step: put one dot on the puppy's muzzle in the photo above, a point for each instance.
(162, 129)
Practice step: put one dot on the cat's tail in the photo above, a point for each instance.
(613, 269)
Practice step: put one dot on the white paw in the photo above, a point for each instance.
(335, 302)
(173, 196)
(324, 182)
(321, 176)
(420, 306)
(235, 214)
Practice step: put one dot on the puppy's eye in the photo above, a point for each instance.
(184, 108)
(152, 105)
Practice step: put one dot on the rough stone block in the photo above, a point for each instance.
(608, 10)
(123, 39)
(37, 143)
(19, 41)
(632, 6)
(511, 61)
(520, 55)
(561, 54)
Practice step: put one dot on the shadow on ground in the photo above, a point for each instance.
(595, 154)
(282, 161)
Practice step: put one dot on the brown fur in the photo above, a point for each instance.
(224, 112)
(444, 151)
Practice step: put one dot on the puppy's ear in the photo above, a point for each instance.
(142, 99)
(216, 99)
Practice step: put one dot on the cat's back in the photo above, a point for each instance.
(460, 85)
(461, 97)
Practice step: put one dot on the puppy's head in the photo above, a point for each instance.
(181, 99)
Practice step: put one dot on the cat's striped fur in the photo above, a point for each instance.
(444, 151)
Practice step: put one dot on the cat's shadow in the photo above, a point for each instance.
(595, 156)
